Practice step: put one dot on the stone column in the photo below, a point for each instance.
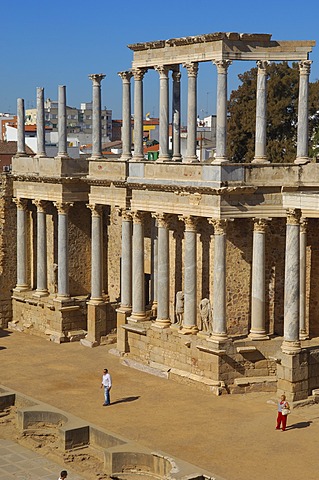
(303, 101)
(138, 283)
(126, 261)
(219, 331)
(261, 113)
(155, 274)
(176, 121)
(163, 71)
(190, 276)
(20, 128)
(126, 115)
(257, 330)
(63, 249)
(42, 278)
(62, 126)
(192, 71)
(291, 344)
(40, 123)
(221, 120)
(22, 283)
(96, 253)
(163, 319)
(303, 269)
(96, 115)
(138, 114)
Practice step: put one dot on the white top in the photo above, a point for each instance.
(106, 380)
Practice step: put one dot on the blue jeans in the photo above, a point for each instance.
(107, 395)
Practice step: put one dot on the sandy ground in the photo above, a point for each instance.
(232, 436)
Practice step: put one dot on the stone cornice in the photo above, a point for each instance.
(206, 38)
(38, 179)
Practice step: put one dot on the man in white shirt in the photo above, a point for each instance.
(107, 384)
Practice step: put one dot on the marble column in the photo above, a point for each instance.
(192, 71)
(96, 115)
(219, 330)
(42, 277)
(163, 71)
(126, 261)
(257, 330)
(138, 114)
(163, 283)
(63, 249)
(176, 121)
(22, 282)
(261, 114)
(138, 282)
(303, 335)
(62, 123)
(291, 344)
(20, 128)
(221, 118)
(155, 274)
(303, 112)
(189, 325)
(126, 115)
(96, 253)
(40, 123)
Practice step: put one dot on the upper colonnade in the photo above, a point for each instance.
(221, 49)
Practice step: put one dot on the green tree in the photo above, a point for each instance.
(282, 114)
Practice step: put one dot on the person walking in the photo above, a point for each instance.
(63, 475)
(107, 384)
(283, 406)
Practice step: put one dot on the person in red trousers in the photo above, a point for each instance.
(282, 419)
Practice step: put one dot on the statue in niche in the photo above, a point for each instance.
(179, 308)
(55, 277)
(205, 315)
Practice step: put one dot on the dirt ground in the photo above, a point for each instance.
(232, 436)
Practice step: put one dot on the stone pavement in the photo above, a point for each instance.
(232, 436)
(19, 463)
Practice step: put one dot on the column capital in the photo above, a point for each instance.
(138, 216)
(303, 225)
(262, 66)
(261, 224)
(96, 78)
(192, 69)
(21, 203)
(222, 65)
(190, 222)
(41, 205)
(176, 75)
(126, 76)
(293, 216)
(124, 213)
(220, 225)
(304, 67)
(163, 70)
(96, 209)
(162, 219)
(63, 207)
(138, 73)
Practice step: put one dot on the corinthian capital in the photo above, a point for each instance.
(41, 205)
(63, 207)
(21, 203)
(163, 70)
(126, 76)
(96, 209)
(96, 78)
(304, 67)
(260, 224)
(293, 216)
(139, 73)
(222, 65)
(220, 226)
(162, 219)
(262, 66)
(190, 222)
(192, 69)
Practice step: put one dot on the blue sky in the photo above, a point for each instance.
(60, 43)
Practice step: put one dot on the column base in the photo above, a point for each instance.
(303, 335)
(260, 160)
(137, 317)
(191, 159)
(89, 343)
(291, 348)
(220, 160)
(161, 323)
(258, 335)
(177, 158)
(62, 156)
(125, 157)
(301, 160)
(137, 158)
(21, 288)
(96, 157)
(163, 158)
(188, 330)
(40, 293)
(175, 326)
(218, 337)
